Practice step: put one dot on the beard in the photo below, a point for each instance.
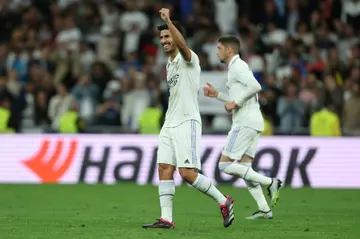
(169, 51)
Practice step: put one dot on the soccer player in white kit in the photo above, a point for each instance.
(247, 124)
(179, 139)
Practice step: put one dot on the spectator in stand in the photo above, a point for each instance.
(334, 93)
(6, 118)
(135, 102)
(325, 122)
(70, 35)
(109, 112)
(100, 75)
(86, 57)
(3, 59)
(290, 111)
(133, 23)
(150, 119)
(41, 109)
(226, 14)
(4, 92)
(71, 122)
(59, 104)
(351, 115)
(87, 95)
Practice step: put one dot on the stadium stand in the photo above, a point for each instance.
(101, 59)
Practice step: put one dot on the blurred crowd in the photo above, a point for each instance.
(102, 58)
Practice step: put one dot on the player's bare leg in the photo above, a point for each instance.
(166, 195)
(241, 169)
(204, 185)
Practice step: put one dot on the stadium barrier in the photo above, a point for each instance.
(109, 159)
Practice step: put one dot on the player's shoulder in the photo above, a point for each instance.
(194, 58)
(240, 66)
(193, 53)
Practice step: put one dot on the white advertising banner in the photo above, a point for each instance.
(109, 159)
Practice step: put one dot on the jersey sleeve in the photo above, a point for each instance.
(194, 60)
(223, 97)
(245, 86)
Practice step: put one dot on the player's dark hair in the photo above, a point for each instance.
(178, 26)
(231, 41)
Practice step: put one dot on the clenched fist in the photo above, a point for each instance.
(210, 91)
(165, 14)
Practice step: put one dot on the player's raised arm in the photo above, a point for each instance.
(177, 37)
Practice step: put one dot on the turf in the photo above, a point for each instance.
(118, 211)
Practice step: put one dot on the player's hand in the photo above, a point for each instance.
(229, 106)
(229, 111)
(210, 91)
(165, 14)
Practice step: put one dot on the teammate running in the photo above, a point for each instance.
(247, 124)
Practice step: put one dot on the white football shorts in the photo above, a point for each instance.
(241, 141)
(180, 146)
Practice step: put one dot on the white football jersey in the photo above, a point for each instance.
(183, 79)
(241, 82)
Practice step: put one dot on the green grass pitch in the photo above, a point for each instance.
(118, 211)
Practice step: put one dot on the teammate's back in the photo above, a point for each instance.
(249, 114)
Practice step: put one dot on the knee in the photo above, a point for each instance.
(166, 171)
(246, 160)
(233, 168)
(251, 184)
(188, 174)
(224, 163)
(223, 166)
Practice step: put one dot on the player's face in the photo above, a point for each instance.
(166, 41)
(221, 52)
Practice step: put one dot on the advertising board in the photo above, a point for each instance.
(109, 159)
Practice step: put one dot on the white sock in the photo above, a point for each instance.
(242, 171)
(257, 193)
(166, 194)
(205, 185)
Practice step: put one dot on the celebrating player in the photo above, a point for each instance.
(179, 139)
(247, 124)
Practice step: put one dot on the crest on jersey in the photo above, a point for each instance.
(173, 80)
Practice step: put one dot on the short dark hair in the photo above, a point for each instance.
(176, 24)
(231, 41)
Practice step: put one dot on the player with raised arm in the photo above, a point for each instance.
(247, 124)
(179, 139)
